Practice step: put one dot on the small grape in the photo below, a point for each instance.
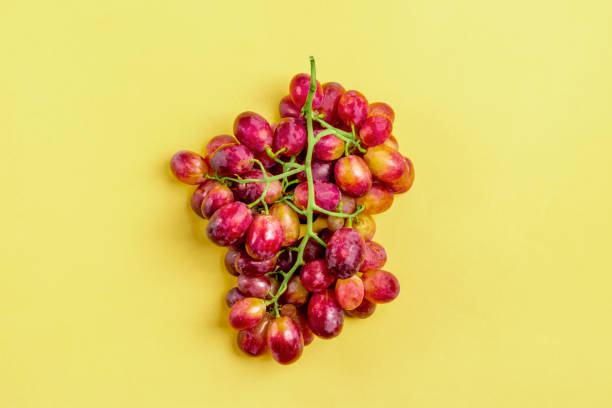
(352, 175)
(315, 277)
(232, 296)
(332, 92)
(230, 257)
(391, 142)
(290, 134)
(365, 225)
(329, 147)
(375, 130)
(298, 317)
(405, 181)
(295, 294)
(377, 200)
(353, 108)
(287, 109)
(381, 108)
(254, 286)
(229, 224)
(189, 167)
(322, 170)
(345, 252)
(365, 309)
(284, 340)
(251, 191)
(289, 220)
(325, 316)
(232, 159)
(327, 195)
(253, 341)
(298, 90)
(264, 237)
(286, 260)
(216, 142)
(349, 292)
(375, 257)
(253, 131)
(246, 313)
(385, 163)
(217, 197)
(200, 193)
(380, 286)
(246, 265)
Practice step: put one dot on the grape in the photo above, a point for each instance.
(232, 296)
(325, 316)
(254, 286)
(385, 163)
(377, 200)
(291, 135)
(365, 225)
(264, 237)
(289, 220)
(189, 167)
(405, 181)
(345, 252)
(249, 192)
(322, 170)
(353, 108)
(216, 142)
(365, 309)
(315, 277)
(274, 285)
(253, 341)
(329, 147)
(284, 340)
(253, 131)
(199, 193)
(232, 159)
(295, 294)
(298, 317)
(332, 92)
(349, 292)
(313, 250)
(229, 224)
(380, 286)
(298, 90)
(286, 260)
(381, 108)
(267, 161)
(287, 109)
(230, 257)
(217, 197)
(246, 265)
(246, 313)
(375, 257)
(375, 130)
(348, 207)
(352, 175)
(391, 142)
(327, 195)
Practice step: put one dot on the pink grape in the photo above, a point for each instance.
(290, 134)
(253, 131)
(287, 109)
(345, 252)
(329, 147)
(216, 142)
(348, 207)
(365, 309)
(325, 316)
(315, 277)
(380, 286)
(229, 224)
(284, 340)
(375, 130)
(405, 181)
(189, 167)
(385, 163)
(246, 313)
(200, 193)
(217, 197)
(349, 292)
(230, 257)
(353, 108)
(381, 108)
(264, 237)
(295, 294)
(352, 175)
(332, 91)
(298, 90)
(254, 286)
(375, 257)
(246, 265)
(327, 195)
(253, 341)
(322, 170)
(298, 317)
(232, 159)
(377, 200)
(251, 191)
(289, 220)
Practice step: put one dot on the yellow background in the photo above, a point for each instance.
(110, 295)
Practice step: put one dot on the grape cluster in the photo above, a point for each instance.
(332, 156)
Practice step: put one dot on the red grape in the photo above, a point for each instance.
(216, 142)
(352, 175)
(199, 193)
(254, 286)
(232, 159)
(345, 252)
(246, 313)
(246, 265)
(315, 277)
(217, 197)
(322, 170)
(325, 317)
(380, 286)
(232, 296)
(365, 309)
(229, 224)
(290, 134)
(405, 181)
(377, 200)
(298, 90)
(253, 341)
(375, 130)
(375, 257)
(385, 163)
(295, 294)
(287, 109)
(267, 161)
(329, 147)
(298, 317)
(349, 292)
(365, 225)
(230, 257)
(251, 191)
(327, 195)
(253, 131)
(353, 108)
(264, 237)
(284, 340)
(289, 220)
(332, 91)
(381, 108)
(286, 260)
(189, 167)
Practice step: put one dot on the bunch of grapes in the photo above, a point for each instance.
(331, 156)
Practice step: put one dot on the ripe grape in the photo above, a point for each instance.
(295, 294)
(298, 317)
(230, 257)
(381, 108)
(353, 108)
(329, 147)
(254, 286)
(189, 167)
(325, 316)
(375, 257)
(229, 224)
(327, 195)
(405, 181)
(267, 161)
(287, 109)
(322, 170)
(375, 130)
(365, 309)
(246, 265)
(284, 340)
(315, 277)
(290, 134)
(232, 159)
(365, 225)
(286, 260)
(380, 286)
(253, 131)
(264, 237)
(253, 341)
(385, 163)
(352, 175)
(377, 200)
(298, 90)
(216, 142)
(345, 252)
(246, 313)
(217, 197)
(332, 91)
(349, 292)
(251, 191)
(348, 207)
(232, 296)
(199, 193)
(289, 220)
